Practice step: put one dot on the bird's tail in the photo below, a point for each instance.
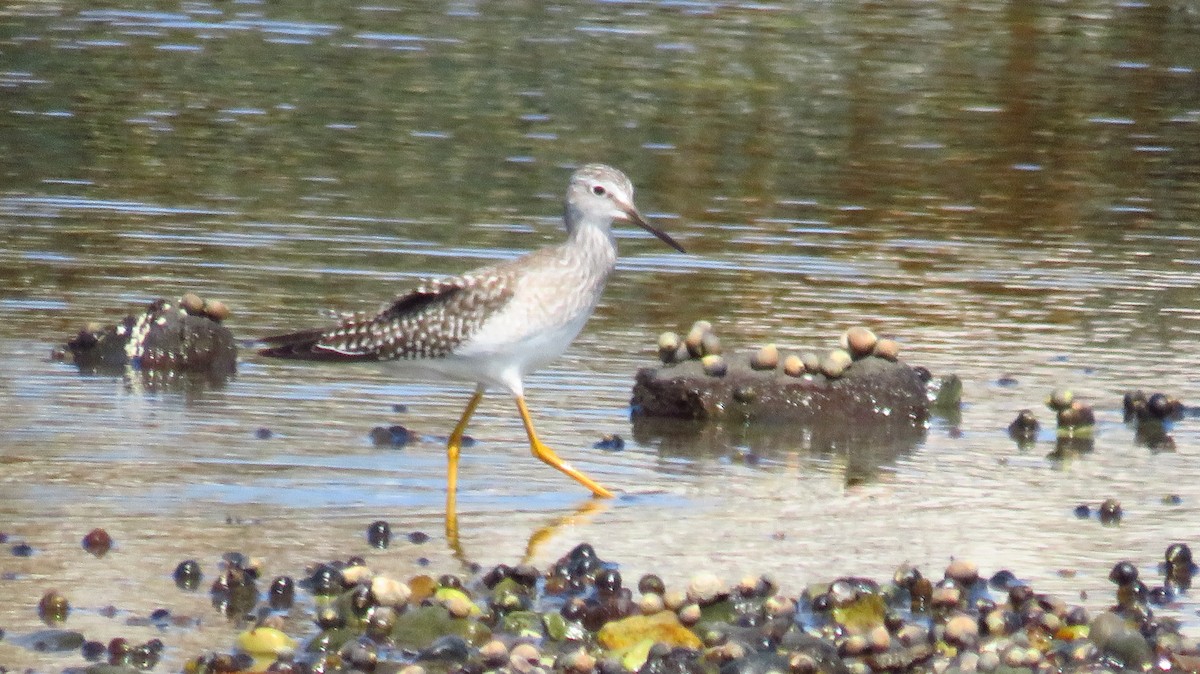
(306, 345)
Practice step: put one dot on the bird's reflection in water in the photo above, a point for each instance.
(581, 514)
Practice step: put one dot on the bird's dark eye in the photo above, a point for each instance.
(598, 190)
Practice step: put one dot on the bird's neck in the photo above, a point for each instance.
(594, 242)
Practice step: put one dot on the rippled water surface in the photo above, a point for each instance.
(1011, 190)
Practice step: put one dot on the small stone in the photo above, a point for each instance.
(523, 658)
(668, 347)
(494, 653)
(946, 595)
(265, 641)
(1024, 426)
(192, 304)
(1123, 573)
(674, 599)
(1076, 415)
(1110, 511)
(460, 607)
(578, 661)
(690, 614)
(390, 592)
(188, 575)
(964, 571)
(281, 593)
(53, 607)
(834, 364)
(812, 362)
(710, 344)
(1060, 399)
(714, 365)
(854, 645)
(887, 349)
(766, 358)
(216, 310)
(962, 630)
(418, 537)
(651, 603)
(879, 638)
(357, 574)
(610, 442)
(264, 433)
(793, 366)
(97, 542)
(651, 584)
(695, 338)
(704, 588)
(859, 342)
(379, 534)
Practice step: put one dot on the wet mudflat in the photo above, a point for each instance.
(1011, 192)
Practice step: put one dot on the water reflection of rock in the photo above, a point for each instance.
(166, 346)
(867, 418)
(861, 449)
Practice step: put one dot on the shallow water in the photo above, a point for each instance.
(1009, 190)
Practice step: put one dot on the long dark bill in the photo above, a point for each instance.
(637, 219)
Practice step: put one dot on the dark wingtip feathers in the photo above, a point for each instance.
(306, 345)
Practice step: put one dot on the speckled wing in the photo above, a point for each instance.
(426, 323)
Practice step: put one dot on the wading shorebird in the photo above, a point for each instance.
(496, 324)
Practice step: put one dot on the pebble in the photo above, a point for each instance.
(695, 338)
(675, 599)
(192, 304)
(710, 344)
(97, 542)
(879, 639)
(53, 607)
(460, 606)
(766, 358)
(523, 658)
(578, 661)
(690, 614)
(649, 604)
(834, 364)
(962, 630)
(793, 366)
(390, 592)
(216, 310)
(356, 575)
(668, 347)
(714, 365)
(1110, 511)
(379, 534)
(1060, 399)
(705, 588)
(494, 653)
(945, 595)
(859, 342)
(964, 571)
(887, 349)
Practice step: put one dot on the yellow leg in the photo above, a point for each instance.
(548, 456)
(452, 450)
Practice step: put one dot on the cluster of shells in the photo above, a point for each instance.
(701, 342)
(1149, 413)
(579, 617)
(194, 305)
